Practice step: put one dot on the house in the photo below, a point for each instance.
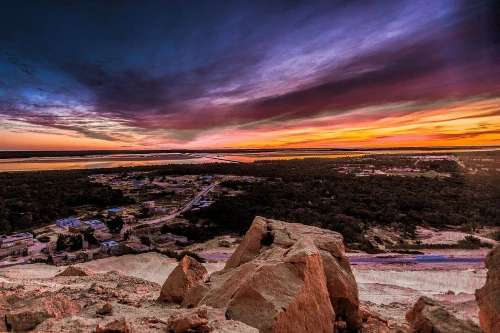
(148, 204)
(114, 212)
(110, 246)
(69, 222)
(128, 218)
(95, 224)
(24, 238)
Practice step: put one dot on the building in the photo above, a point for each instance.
(69, 222)
(95, 224)
(114, 212)
(128, 218)
(110, 246)
(148, 204)
(24, 238)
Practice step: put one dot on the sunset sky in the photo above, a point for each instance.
(118, 74)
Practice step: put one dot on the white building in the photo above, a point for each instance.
(95, 224)
(69, 222)
(109, 246)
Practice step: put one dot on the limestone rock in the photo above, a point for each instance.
(120, 325)
(76, 271)
(183, 277)
(184, 322)
(231, 326)
(272, 292)
(428, 316)
(279, 270)
(106, 309)
(488, 297)
(30, 315)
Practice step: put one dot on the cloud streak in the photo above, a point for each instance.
(180, 74)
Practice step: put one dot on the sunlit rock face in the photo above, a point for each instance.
(284, 277)
(428, 316)
(488, 297)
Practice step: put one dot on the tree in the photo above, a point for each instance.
(88, 236)
(61, 242)
(115, 225)
(145, 240)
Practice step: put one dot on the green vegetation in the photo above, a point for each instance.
(32, 199)
(145, 240)
(69, 242)
(115, 225)
(308, 191)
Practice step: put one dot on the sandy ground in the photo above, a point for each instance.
(389, 289)
(152, 266)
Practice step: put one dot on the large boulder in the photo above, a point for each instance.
(28, 316)
(76, 271)
(183, 277)
(284, 277)
(120, 325)
(428, 316)
(488, 297)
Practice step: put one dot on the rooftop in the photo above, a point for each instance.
(109, 244)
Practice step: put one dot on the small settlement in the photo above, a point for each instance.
(95, 232)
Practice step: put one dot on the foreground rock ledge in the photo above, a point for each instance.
(284, 277)
(428, 316)
(488, 297)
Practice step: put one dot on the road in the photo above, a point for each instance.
(171, 216)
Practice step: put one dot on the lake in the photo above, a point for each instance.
(124, 160)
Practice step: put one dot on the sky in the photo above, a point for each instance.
(127, 74)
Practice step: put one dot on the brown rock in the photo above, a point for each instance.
(120, 325)
(428, 316)
(76, 271)
(183, 277)
(272, 291)
(33, 314)
(181, 323)
(264, 249)
(106, 309)
(3, 325)
(488, 297)
(231, 326)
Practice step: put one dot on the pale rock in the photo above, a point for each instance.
(428, 316)
(488, 297)
(183, 277)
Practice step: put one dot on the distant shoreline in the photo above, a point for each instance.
(83, 153)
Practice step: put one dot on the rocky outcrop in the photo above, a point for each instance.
(488, 297)
(285, 277)
(183, 277)
(29, 315)
(204, 320)
(120, 325)
(428, 316)
(106, 309)
(76, 271)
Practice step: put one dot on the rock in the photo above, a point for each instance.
(31, 315)
(277, 271)
(120, 325)
(3, 325)
(231, 326)
(106, 309)
(183, 277)
(488, 297)
(428, 316)
(181, 323)
(76, 271)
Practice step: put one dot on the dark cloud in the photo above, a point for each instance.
(187, 67)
